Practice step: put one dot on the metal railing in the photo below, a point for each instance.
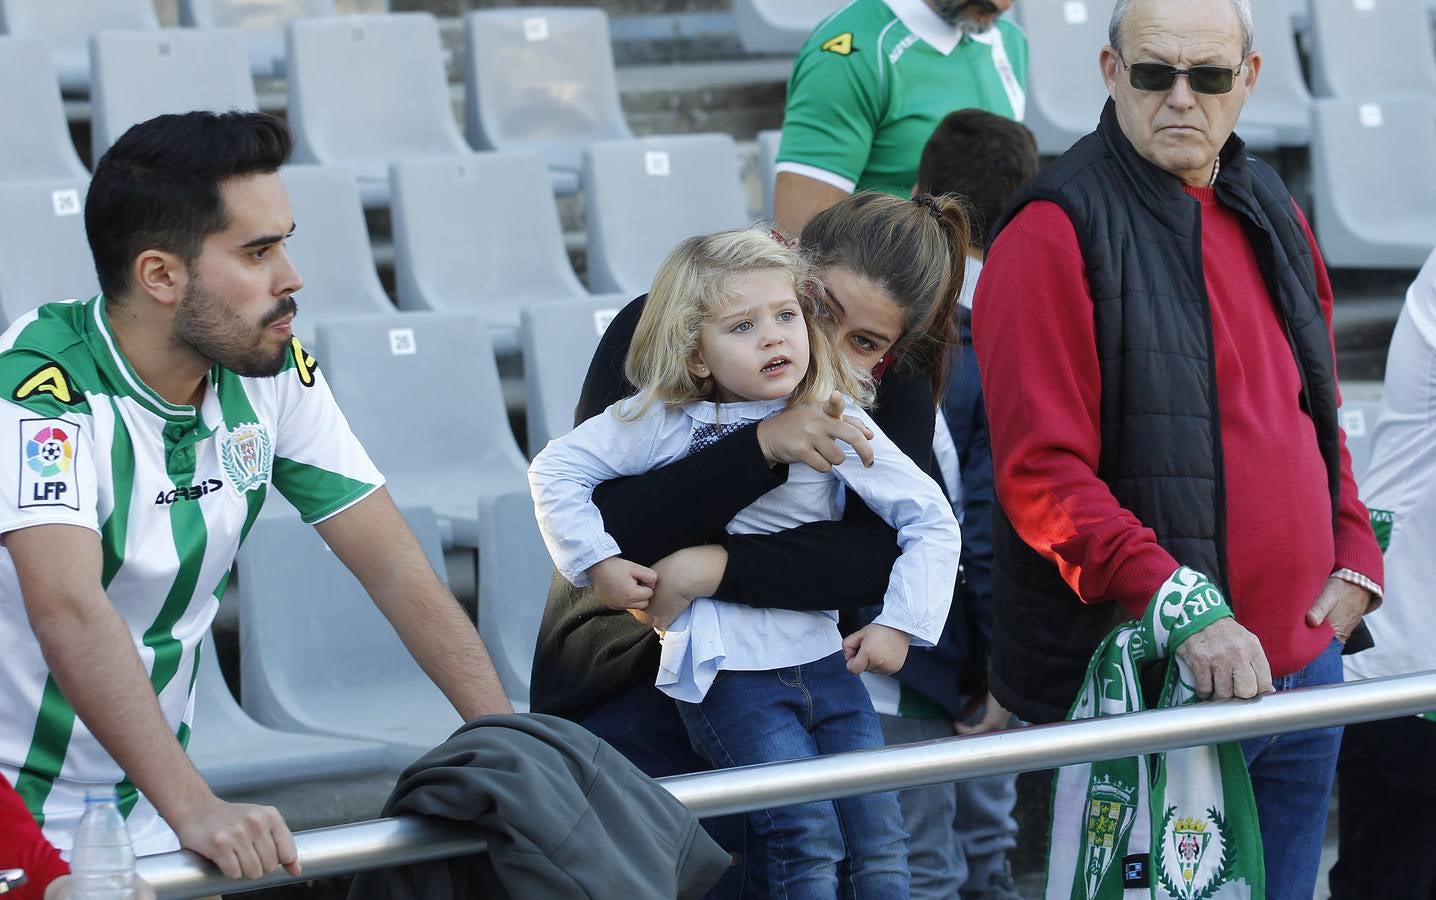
(344, 849)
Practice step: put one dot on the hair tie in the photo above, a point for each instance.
(786, 242)
(929, 201)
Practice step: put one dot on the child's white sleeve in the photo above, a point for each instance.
(562, 478)
(920, 587)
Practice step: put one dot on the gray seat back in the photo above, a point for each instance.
(262, 24)
(1360, 412)
(479, 234)
(37, 141)
(769, 143)
(541, 78)
(645, 195)
(66, 25)
(317, 655)
(235, 753)
(1278, 113)
(1375, 216)
(779, 26)
(43, 252)
(1065, 90)
(421, 391)
(368, 90)
(330, 248)
(1372, 49)
(559, 341)
(142, 74)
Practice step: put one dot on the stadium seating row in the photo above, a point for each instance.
(476, 233)
(363, 91)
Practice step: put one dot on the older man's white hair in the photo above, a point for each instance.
(1244, 12)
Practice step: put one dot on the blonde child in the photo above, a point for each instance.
(726, 339)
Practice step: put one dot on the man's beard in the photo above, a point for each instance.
(971, 16)
(221, 336)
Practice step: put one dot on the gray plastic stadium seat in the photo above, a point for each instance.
(768, 145)
(421, 391)
(779, 26)
(644, 196)
(262, 24)
(479, 234)
(235, 753)
(1065, 90)
(43, 252)
(1278, 113)
(1360, 410)
(559, 340)
(330, 248)
(317, 656)
(541, 78)
(365, 91)
(1375, 215)
(1372, 48)
(66, 25)
(37, 141)
(141, 74)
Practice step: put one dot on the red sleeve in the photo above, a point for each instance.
(22, 846)
(1034, 335)
(1356, 547)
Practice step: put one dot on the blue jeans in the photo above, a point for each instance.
(1291, 779)
(791, 713)
(958, 833)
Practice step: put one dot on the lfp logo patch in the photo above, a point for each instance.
(48, 448)
(49, 452)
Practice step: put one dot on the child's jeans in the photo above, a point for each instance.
(791, 713)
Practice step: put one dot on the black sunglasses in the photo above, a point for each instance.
(1202, 79)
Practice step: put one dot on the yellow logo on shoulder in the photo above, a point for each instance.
(48, 379)
(841, 45)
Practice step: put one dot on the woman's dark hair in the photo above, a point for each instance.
(916, 252)
(158, 186)
(983, 158)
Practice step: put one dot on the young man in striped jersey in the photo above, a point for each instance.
(142, 430)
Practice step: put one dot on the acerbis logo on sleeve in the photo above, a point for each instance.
(47, 463)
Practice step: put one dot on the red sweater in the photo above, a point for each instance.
(22, 846)
(1036, 346)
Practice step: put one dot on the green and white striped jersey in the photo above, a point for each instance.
(171, 491)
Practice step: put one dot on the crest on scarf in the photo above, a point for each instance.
(247, 456)
(1111, 808)
(1194, 857)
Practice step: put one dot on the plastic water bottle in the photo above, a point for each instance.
(102, 865)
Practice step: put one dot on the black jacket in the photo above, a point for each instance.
(1140, 236)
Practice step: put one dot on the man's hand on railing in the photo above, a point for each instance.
(244, 840)
(1226, 661)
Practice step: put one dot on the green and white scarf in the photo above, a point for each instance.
(1180, 825)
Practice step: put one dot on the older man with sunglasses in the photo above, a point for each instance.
(1153, 330)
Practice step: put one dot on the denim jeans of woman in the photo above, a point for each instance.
(812, 849)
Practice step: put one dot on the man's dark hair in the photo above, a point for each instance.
(983, 158)
(158, 186)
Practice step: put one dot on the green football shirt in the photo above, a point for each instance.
(872, 82)
(171, 491)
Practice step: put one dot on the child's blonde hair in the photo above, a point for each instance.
(690, 288)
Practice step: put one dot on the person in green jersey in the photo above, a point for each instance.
(146, 426)
(872, 82)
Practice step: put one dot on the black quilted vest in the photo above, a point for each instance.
(1140, 235)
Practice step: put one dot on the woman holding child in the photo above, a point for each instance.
(886, 276)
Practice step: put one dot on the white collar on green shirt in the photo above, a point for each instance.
(935, 31)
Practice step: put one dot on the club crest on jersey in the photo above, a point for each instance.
(247, 456)
(48, 476)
